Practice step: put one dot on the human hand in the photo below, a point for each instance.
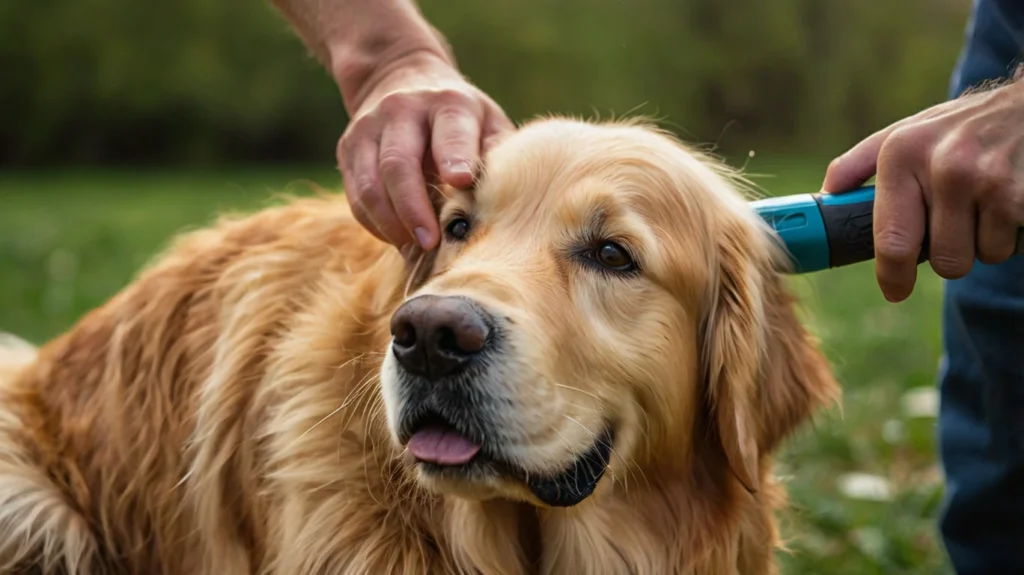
(421, 102)
(953, 173)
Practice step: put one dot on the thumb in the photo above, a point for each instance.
(857, 165)
(860, 162)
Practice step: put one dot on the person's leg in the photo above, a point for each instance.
(981, 380)
(981, 420)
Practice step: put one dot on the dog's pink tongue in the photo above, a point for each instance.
(442, 445)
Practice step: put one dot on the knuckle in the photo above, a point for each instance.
(996, 185)
(957, 168)
(1000, 189)
(1015, 202)
(957, 159)
(394, 103)
(392, 161)
(358, 131)
(358, 128)
(344, 153)
(450, 115)
(1005, 187)
(454, 142)
(994, 255)
(452, 98)
(903, 143)
(835, 164)
(363, 193)
(895, 245)
(365, 186)
(949, 266)
(347, 142)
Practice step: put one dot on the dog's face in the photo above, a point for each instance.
(603, 299)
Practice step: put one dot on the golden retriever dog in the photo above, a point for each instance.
(589, 376)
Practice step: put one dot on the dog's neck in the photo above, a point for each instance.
(649, 528)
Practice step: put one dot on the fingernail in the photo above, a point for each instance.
(459, 167)
(422, 237)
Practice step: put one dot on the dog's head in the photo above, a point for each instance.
(604, 298)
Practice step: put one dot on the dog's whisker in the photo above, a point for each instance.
(317, 424)
(362, 391)
(353, 396)
(614, 453)
(578, 390)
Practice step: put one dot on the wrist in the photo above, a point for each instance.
(360, 65)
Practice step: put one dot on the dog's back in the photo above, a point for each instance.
(40, 530)
(96, 424)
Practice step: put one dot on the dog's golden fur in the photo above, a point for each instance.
(223, 413)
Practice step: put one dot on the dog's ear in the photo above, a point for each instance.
(419, 262)
(764, 372)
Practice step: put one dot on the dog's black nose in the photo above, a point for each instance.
(435, 336)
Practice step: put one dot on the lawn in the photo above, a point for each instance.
(864, 482)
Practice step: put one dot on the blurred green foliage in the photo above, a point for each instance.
(205, 81)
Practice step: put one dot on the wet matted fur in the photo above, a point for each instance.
(238, 409)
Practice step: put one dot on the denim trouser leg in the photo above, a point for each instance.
(981, 420)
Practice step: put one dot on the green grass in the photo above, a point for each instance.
(69, 240)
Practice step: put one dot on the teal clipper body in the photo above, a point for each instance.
(823, 231)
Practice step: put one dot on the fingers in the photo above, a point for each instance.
(455, 141)
(953, 169)
(860, 162)
(363, 188)
(997, 236)
(496, 126)
(899, 222)
(951, 246)
(1000, 201)
(402, 146)
(857, 165)
(383, 157)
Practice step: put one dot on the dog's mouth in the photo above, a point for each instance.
(443, 448)
(435, 441)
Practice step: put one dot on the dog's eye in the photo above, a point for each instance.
(614, 257)
(457, 229)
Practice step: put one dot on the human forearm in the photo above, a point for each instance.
(409, 107)
(358, 41)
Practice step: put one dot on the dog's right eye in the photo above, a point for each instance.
(614, 257)
(457, 229)
(608, 256)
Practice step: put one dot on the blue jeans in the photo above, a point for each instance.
(981, 420)
(981, 380)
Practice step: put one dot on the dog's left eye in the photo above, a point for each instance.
(457, 229)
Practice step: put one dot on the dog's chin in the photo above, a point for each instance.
(488, 476)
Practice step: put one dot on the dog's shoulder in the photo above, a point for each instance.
(315, 227)
(134, 372)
